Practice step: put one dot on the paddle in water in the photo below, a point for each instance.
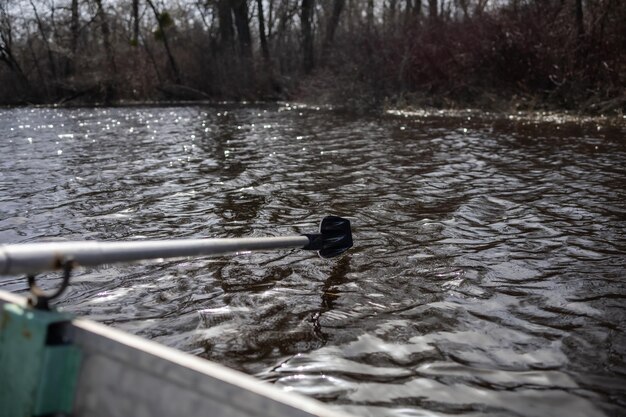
(334, 238)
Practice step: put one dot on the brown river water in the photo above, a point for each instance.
(487, 277)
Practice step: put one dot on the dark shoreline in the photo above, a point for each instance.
(522, 55)
(616, 108)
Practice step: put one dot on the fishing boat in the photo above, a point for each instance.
(52, 364)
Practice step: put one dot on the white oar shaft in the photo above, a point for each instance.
(31, 258)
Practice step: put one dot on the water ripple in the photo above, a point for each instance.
(486, 280)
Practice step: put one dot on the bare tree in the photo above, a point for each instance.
(370, 14)
(6, 46)
(464, 6)
(389, 14)
(240, 11)
(306, 18)
(135, 38)
(163, 19)
(480, 7)
(106, 39)
(580, 27)
(333, 22)
(433, 11)
(263, 38)
(74, 34)
(43, 33)
(225, 18)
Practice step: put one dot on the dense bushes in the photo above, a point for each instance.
(524, 54)
(531, 57)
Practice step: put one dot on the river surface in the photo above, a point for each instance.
(487, 277)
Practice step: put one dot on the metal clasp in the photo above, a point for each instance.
(38, 298)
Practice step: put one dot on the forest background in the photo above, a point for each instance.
(361, 54)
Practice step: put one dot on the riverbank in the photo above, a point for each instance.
(527, 108)
(518, 56)
(357, 92)
(357, 98)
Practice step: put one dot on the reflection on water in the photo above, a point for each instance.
(487, 276)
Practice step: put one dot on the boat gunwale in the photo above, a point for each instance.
(214, 382)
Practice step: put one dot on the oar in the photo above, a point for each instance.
(334, 238)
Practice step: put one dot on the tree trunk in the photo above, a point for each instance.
(306, 18)
(240, 10)
(110, 85)
(580, 26)
(106, 39)
(432, 9)
(264, 49)
(389, 15)
(152, 59)
(480, 7)
(270, 18)
(412, 10)
(350, 19)
(74, 29)
(135, 40)
(333, 22)
(408, 11)
(168, 51)
(370, 14)
(6, 55)
(225, 18)
(44, 37)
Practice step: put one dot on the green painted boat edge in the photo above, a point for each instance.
(122, 374)
(38, 373)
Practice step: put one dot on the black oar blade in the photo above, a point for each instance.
(336, 236)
